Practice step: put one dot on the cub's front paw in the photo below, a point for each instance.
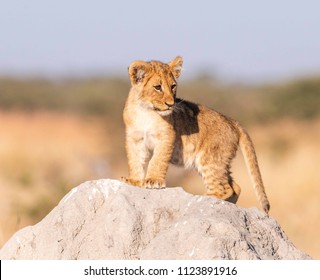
(151, 183)
(137, 183)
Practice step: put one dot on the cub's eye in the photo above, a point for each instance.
(173, 87)
(158, 88)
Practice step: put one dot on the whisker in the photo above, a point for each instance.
(181, 100)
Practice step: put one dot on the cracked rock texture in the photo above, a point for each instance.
(108, 219)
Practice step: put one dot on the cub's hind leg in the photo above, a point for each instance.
(236, 191)
(222, 188)
(218, 181)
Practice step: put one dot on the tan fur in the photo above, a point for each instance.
(161, 128)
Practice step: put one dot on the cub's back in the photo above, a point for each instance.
(201, 121)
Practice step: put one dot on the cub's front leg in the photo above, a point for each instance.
(158, 165)
(138, 156)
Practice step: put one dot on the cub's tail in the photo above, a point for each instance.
(251, 161)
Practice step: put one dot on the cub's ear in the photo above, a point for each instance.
(176, 66)
(137, 71)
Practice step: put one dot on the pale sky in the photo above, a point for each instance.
(245, 40)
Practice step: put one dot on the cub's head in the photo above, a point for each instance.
(155, 83)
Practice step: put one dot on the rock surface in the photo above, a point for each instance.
(107, 219)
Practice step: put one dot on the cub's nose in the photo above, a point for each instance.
(170, 104)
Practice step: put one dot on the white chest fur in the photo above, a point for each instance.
(145, 128)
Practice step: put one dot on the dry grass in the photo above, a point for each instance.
(43, 155)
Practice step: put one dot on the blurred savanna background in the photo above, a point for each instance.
(63, 84)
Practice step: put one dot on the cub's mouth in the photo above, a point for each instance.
(165, 111)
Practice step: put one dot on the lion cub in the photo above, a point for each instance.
(161, 128)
